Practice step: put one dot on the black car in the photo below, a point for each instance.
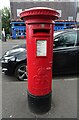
(65, 57)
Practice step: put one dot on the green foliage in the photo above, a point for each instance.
(6, 20)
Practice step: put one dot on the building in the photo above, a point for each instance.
(67, 10)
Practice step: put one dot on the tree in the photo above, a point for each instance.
(6, 19)
(0, 24)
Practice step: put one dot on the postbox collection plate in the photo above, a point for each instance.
(41, 46)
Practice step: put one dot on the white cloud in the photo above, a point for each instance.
(4, 3)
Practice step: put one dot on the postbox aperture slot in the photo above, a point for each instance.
(37, 31)
(41, 47)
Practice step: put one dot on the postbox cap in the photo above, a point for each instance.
(40, 11)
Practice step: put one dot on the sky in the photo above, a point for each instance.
(4, 3)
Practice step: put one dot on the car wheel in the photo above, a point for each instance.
(21, 72)
(6, 73)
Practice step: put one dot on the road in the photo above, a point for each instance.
(14, 95)
(11, 43)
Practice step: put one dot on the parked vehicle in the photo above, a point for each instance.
(65, 56)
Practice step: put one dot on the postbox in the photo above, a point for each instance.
(39, 40)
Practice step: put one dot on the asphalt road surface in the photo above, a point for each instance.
(11, 43)
(14, 95)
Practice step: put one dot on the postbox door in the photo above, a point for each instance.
(41, 62)
(39, 58)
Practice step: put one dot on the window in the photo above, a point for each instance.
(60, 12)
(65, 40)
(18, 12)
(70, 18)
(78, 3)
(35, 0)
(77, 18)
(50, 0)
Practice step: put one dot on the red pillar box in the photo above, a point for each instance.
(39, 39)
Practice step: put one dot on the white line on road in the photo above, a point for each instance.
(69, 79)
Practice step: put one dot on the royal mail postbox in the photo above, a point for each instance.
(39, 40)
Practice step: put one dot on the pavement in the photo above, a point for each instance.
(64, 100)
(0, 94)
(0, 82)
(14, 95)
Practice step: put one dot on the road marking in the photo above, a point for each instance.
(67, 79)
(71, 79)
